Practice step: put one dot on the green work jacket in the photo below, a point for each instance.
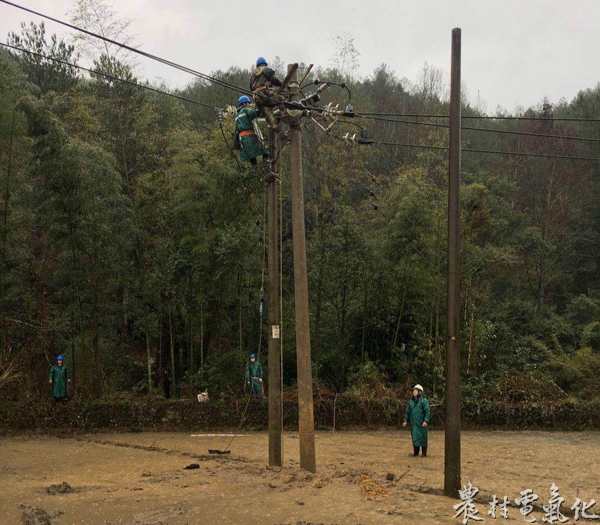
(59, 375)
(416, 413)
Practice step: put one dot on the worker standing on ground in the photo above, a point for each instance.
(58, 378)
(254, 378)
(264, 84)
(418, 415)
(252, 147)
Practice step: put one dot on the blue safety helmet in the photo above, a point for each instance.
(59, 358)
(244, 99)
(260, 61)
(252, 356)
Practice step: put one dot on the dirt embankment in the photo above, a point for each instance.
(158, 414)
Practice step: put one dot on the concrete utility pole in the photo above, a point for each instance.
(452, 416)
(275, 407)
(305, 392)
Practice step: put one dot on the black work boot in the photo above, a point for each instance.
(416, 451)
(424, 449)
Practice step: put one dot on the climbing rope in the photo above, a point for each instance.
(261, 310)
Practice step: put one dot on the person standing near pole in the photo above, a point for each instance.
(418, 415)
(59, 378)
(254, 378)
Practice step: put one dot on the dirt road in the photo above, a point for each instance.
(139, 479)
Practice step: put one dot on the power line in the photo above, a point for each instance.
(203, 76)
(443, 148)
(482, 117)
(106, 75)
(419, 146)
(524, 154)
(231, 86)
(529, 134)
(239, 89)
(488, 130)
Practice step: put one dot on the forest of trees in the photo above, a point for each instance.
(132, 243)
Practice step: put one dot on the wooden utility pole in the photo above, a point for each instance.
(452, 415)
(305, 392)
(275, 412)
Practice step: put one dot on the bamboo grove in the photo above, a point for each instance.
(133, 244)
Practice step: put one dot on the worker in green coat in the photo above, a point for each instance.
(254, 378)
(252, 147)
(59, 378)
(418, 415)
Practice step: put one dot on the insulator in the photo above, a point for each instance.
(328, 116)
(330, 127)
(311, 98)
(229, 112)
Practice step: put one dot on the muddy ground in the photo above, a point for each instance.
(139, 479)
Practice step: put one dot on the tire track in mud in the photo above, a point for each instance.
(166, 451)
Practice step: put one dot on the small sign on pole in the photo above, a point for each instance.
(275, 331)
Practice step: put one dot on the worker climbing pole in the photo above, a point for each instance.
(266, 88)
(250, 145)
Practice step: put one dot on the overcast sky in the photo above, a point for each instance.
(515, 52)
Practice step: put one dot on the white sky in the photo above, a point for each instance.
(515, 52)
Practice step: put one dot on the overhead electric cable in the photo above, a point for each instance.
(443, 148)
(203, 76)
(482, 117)
(525, 154)
(488, 130)
(106, 75)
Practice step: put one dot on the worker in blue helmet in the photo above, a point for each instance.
(265, 86)
(254, 378)
(59, 378)
(251, 145)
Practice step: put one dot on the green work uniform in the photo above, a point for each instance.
(59, 375)
(253, 373)
(252, 147)
(416, 413)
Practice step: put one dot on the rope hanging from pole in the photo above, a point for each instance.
(260, 310)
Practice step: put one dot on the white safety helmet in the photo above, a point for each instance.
(418, 387)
